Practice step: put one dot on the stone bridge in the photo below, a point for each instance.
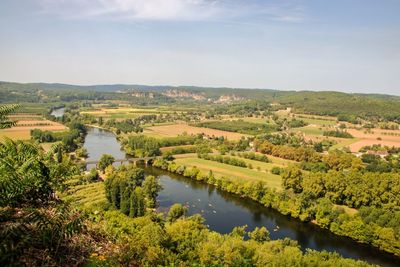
(146, 160)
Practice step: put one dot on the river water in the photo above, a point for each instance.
(223, 211)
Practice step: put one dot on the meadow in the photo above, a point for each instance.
(234, 172)
(178, 129)
(317, 120)
(22, 131)
(87, 195)
(123, 112)
(259, 120)
(309, 130)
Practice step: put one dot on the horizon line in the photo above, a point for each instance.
(205, 87)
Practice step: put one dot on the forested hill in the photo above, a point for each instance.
(61, 86)
(252, 93)
(320, 103)
(342, 104)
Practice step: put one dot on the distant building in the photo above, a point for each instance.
(380, 153)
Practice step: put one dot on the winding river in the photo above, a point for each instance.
(223, 211)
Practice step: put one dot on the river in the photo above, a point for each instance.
(223, 211)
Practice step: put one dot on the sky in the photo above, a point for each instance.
(341, 45)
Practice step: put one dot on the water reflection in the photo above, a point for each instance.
(99, 142)
(224, 211)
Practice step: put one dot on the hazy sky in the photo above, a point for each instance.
(345, 45)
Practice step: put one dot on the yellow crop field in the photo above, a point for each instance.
(22, 131)
(177, 129)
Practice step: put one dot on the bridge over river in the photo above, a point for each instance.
(146, 160)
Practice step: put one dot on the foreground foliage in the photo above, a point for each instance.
(178, 240)
(36, 228)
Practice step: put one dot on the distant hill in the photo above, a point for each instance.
(209, 91)
(61, 86)
(321, 103)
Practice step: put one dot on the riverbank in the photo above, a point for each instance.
(102, 128)
(184, 239)
(286, 204)
(231, 210)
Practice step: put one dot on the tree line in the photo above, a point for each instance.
(314, 204)
(128, 190)
(224, 159)
(144, 146)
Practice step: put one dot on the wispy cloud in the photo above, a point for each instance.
(178, 10)
(131, 9)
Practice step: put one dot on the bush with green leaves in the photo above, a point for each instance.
(105, 161)
(141, 146)
(254, 156)
(5, 110)
(338, 133)
(33, 218)
(175, 212)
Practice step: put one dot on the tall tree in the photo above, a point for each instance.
(105, 161)
(151, 187)
(292, 178)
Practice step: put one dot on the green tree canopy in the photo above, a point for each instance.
(105, 161)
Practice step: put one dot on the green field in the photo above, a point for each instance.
(310, 119)
(170, 148)
(234, 172)
(117, 115)
(266, 166)
(316, 119)
(309, 130)
(88, 195)
(34, 108)
(344, 143)
(252, 119)
(279, 161)
(320, 122)
(157, 124)
(122, 112)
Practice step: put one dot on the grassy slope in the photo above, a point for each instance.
(309, 130)
(275, 162)
(249, 119)
(345, 143)
(319, 122)
(169, 148)
(234, 172)
(88, 195)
